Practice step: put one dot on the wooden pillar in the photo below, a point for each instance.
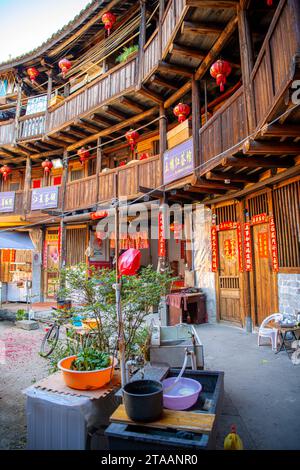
(142, 41)
(49, 86)
(27, 185)
(196, 124)
(247, 62)
(63, 232)
(98, 167)
(162, 139)
(18, 110)
(161, 13)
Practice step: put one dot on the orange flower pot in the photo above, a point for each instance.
(85, 380)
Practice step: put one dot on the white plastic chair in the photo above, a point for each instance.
(271, 333)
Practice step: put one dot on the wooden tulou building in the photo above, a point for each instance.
(212, 88)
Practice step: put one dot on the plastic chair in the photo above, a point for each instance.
(271, 333)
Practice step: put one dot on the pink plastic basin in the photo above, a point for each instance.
(183, 395)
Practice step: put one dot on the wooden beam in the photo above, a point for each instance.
(76, 132)
(114, 112)
(204, 183)
(133, 105)
(203, 190)
(235, 178)
(201, 28)
(66, 137)
(256, 162)
(154, 192)
(178, 94)
(142, 41)
(217, 48)
(176, 69)
(277, 130)
(196, 122)
(186, 51)
(163, 83)
(89, 126)
(151, 95)
(114, 128)
(252, 147)
(212, 4)
(53, 141)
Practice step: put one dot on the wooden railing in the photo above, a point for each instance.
(32, 126)
(273, 69)
(7, 132)
(109, 85)
(81, 193)
(171, 20)
(225, 129)
(151, 54)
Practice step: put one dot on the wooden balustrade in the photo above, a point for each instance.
(225, 129)
(81, 193)
(171, 19)
(272, 72)
(151, 55)
(7, 132)
(113, 83)
(32, 125)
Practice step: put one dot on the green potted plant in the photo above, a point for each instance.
(21, 314)
(127, 53)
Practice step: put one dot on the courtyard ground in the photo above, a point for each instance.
(262, 389)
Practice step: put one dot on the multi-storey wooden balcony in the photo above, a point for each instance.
(222, 139)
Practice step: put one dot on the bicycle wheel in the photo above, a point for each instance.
(49, 341)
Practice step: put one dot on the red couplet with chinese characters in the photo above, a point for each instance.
(247, 247)
(263, 244)
(274, 250)
(161, 238)
(259, 219)
(240, 247)
(214, 249)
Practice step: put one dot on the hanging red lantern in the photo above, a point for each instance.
(123, 163)
(64, 65)
(220, 71)
(83, 155)
(109, 20)
(129, 262)
(144, 156)
(270, 3)
(132, 137)
(47, 165)
(32, 73)
(182, 111)
(5, 171)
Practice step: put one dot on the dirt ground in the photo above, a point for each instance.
(20, 366)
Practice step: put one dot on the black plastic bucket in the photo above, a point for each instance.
(143, 400)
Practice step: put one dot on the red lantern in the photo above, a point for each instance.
(182, 111)
(47, 165)
(98, 215)
(33, 73)
(220, 71)
(109, 20)
(64, 65)
(132, 137)
(144, 156)
(83, 155)
(123, 163)
(129, 262)
(269, 3)
(5, 171)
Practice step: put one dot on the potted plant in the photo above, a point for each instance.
(90, 369)
(127, 53)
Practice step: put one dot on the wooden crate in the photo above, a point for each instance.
(179, 134)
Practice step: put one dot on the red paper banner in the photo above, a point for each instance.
(229, 249)
(274, 250)
(182, 249)
(45, 254)
(259, 219)
(161, 239)
(263, 244)
(240, 248)
(247, 247)
(214, 249)
(228, 225)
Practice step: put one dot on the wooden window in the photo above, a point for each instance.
(258, 205)
(76, 175)
(287, 219)
(14, 186)
(226, 213)
(76, 245)
(36, 183)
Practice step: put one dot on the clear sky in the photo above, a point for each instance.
(26, 24)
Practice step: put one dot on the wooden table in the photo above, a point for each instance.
(282, 331)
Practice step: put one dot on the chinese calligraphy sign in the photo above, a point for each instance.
(44, 198)
(247, 247)
(161, 238)
(178, 161)
(263, 244)
(229, 248)
(214, 249)
(7, 201)
(274, 250)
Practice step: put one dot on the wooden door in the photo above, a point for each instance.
(265, 295)
(229, 277)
